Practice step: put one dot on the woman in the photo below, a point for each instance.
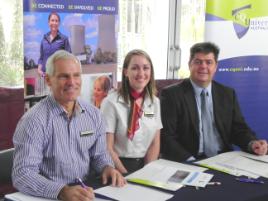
(52, 41)
(102, 85)
(133, 115)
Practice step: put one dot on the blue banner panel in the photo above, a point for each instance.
(248, 75)
(240, 29)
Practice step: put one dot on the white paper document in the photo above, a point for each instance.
(170, 175)
(132, 192)
(198, 179)
(237, 163)
(18, 196)
(255, 157)
(181, 166)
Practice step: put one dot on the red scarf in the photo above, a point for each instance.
(135, 113)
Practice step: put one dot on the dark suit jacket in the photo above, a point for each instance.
(180, 133)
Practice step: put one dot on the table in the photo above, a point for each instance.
(229, 190)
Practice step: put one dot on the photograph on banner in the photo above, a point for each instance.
(91, 36)
(96, 87)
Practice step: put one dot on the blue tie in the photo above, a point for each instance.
(210, 147)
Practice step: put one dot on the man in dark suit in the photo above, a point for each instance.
(185, 135)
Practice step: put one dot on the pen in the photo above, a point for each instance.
(78, 180)
(215, 183)
(249, 180)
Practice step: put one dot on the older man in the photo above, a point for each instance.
(60, 138)
(201, 117)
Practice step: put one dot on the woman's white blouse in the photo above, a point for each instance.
(116, 114)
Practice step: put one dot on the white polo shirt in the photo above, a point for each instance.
(116, 113)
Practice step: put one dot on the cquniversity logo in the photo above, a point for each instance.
(241, 21)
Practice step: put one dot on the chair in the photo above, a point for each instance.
(12, 108)
(161, 84)
(6, 161)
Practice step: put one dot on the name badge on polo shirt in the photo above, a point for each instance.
(148, 114)
(86, 133)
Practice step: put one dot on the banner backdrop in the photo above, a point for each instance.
(240, 29)
(90, 27)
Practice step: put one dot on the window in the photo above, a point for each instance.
(164, 29)
(192, 30)
(143, 24)
(11, 59)
(11, 70)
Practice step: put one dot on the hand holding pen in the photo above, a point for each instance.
(77, 192)
(79, 181)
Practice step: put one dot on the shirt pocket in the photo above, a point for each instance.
(86, 140)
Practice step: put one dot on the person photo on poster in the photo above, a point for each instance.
(52, 41)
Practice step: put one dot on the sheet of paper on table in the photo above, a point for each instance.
(170, 175)
(132, 192)
(237, 163)
(18, 196)
(263, 158)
